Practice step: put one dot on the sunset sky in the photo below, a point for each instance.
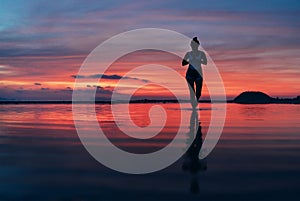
(254, 44)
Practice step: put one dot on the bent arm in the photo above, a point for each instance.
(203, 59)
(185, 60)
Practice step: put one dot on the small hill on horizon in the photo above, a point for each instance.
(253, 97)
(258, 97)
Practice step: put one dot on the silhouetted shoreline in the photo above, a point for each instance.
(248, 97)
(92, 102)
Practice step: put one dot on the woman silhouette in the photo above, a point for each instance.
(194, 73)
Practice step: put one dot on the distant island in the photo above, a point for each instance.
(257, 97)
(247, 97)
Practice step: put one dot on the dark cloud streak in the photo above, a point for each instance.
(108, 77)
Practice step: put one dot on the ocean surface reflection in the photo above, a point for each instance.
(257, 157)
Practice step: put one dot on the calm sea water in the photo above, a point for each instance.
(256, 158)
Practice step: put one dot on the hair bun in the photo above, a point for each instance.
(195, 39)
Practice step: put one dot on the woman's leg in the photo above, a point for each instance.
(191, 77)
(191, 81)
(191, 86)
(199, 83)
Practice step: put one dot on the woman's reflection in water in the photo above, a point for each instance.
(192, 163)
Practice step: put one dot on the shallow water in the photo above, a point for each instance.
(256, 158)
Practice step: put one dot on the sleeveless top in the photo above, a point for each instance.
(195, 61)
